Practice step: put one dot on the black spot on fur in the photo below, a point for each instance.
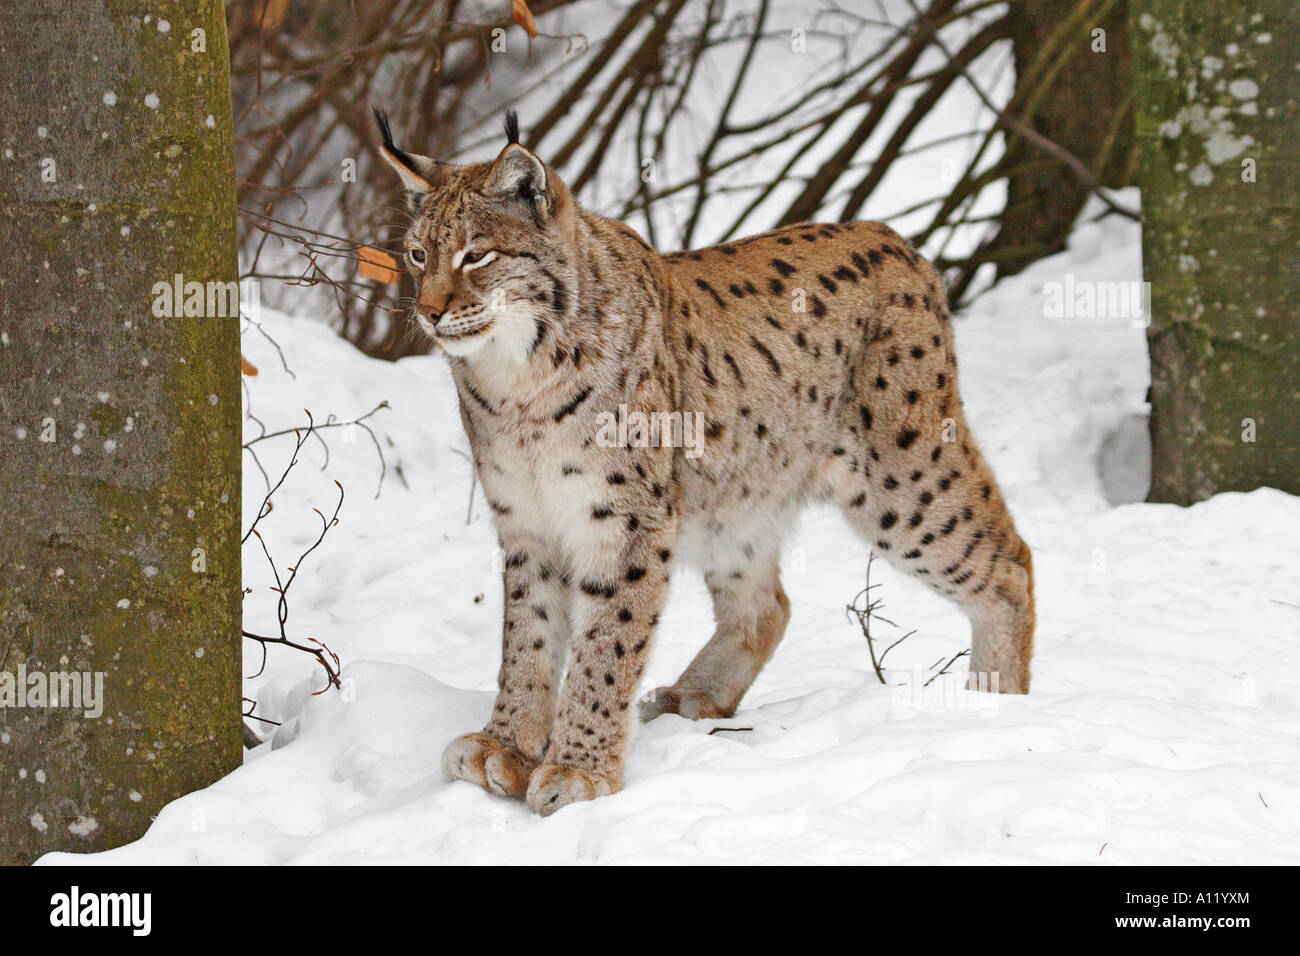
(764, 351)
(598, 589)
(474, 394)
(571, 406)
(709, 289)
(735, 369)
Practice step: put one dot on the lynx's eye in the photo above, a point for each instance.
(474, 260)
(416, 255)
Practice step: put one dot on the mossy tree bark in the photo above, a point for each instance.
(119, 428)
(1218, 126)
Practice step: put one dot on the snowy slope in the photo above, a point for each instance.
(1163, 727)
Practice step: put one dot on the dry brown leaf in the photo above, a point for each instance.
(248, 367)
(378, 265)
(524, 17)
(271, 14)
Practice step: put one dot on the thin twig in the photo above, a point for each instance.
(865, 608)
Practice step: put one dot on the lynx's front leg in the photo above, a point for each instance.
(504, 755)
(616, 607)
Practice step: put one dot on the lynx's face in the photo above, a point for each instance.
(487, 250)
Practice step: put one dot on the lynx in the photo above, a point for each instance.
(819, 360)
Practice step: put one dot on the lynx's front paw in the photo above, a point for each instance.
(488, 762)
(554, 786)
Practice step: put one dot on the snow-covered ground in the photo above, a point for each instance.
(1163, 726)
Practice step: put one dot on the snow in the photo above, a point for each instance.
(1163, 725)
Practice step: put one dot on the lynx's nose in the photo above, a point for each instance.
(427, 313)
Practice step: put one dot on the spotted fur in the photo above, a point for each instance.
(820, 357)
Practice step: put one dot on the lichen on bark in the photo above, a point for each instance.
(1218, 127)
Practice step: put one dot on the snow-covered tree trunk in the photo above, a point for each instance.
(119, 419)
(1218, 125)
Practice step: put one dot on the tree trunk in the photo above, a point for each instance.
(119, 427)
(1085, 108)
(1218, 124)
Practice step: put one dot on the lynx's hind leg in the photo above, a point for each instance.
(946, 533)
(751, 612)
(910, 477)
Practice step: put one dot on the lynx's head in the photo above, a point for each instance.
(490, 248)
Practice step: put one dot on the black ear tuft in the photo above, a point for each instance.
(381, 121)
(386, 135)
(512, 126)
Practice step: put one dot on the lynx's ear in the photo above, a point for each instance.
(417, 172)
(518, 177)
